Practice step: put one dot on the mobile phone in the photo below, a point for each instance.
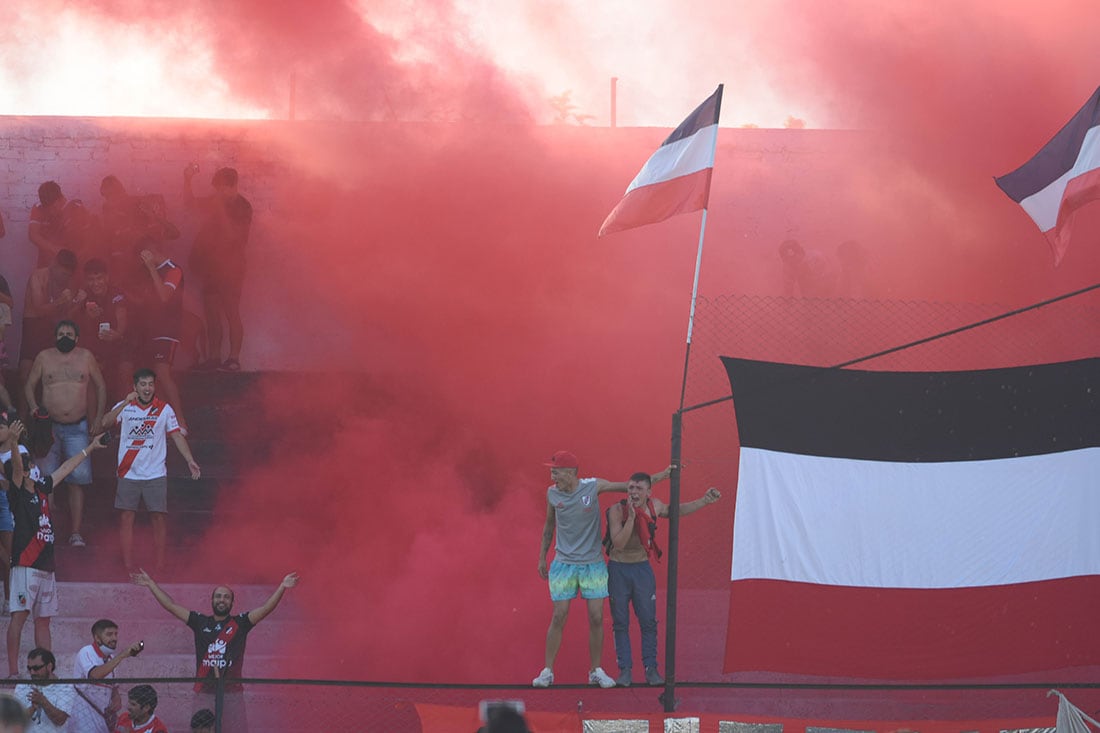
(104, 327)
(104, 440)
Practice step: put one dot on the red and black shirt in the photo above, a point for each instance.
(219, 647)
(32, 540)
(165, 319)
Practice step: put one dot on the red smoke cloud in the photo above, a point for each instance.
(455, 267)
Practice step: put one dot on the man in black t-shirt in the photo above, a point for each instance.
(33, 585)
(218, 259)
(103, 321)
(220, 637)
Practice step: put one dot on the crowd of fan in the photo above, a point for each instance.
(103, 299)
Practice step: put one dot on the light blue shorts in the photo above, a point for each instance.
(567, 578)
(7, 521)
(68, 441)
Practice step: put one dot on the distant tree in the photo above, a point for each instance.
(564, 110)
(749, 126)
(794, 123)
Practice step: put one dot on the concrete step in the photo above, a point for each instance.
(126, 600)
(168, 636)
(181, 664)
(169, 643)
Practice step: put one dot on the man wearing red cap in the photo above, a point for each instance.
(573, 516)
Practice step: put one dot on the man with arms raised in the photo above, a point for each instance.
(146, 422)
(162, 304)
(33, 584)
(632, 528)
(573, 514)
(65, 372)
(219, 641)
(97, 662)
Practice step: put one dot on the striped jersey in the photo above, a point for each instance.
(142, 445)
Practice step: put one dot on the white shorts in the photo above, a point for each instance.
(33, 590)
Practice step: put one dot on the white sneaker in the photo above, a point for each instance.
(601, 678)
(545, 678)
(75, 540)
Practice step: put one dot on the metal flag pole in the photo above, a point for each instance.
(668, 698)
(699, 253)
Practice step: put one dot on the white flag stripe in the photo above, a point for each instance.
(679, 158)
(1043, 205)
(881, 524)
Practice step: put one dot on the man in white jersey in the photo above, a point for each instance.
(573, 515)
(99, 699)
(146, 422)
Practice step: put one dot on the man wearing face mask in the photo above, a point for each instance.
(98, 661)
(50, 296)
(65, 372)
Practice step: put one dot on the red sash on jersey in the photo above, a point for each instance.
(37, 543)
(135, 448)
(229, 629)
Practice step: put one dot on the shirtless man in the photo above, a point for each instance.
(573, 516)
(51, 295)
(65, 372)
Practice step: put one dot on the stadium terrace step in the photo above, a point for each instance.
(221, 409)
(169, 649)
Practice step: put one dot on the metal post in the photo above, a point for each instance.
(219, 703)
(293, 94)
(614, 98)
(668, 697)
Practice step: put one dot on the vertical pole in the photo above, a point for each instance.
(293, 95)
(219, 704)
(694, 297)
(699, 252)
(668, 697)
(614, 99)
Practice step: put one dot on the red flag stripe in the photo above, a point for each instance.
(912, 634)
(650, 204)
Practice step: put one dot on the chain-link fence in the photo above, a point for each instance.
(823, 332)
(308, 706)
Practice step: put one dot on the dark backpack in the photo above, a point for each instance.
(607, 544)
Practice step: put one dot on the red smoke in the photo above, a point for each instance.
(455, 268)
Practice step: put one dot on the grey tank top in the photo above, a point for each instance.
(578, 523)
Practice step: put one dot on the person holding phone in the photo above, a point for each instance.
(99, 702)
(104, 320)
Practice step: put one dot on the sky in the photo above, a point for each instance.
(108, 58)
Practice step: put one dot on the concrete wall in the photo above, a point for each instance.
(149, 157)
